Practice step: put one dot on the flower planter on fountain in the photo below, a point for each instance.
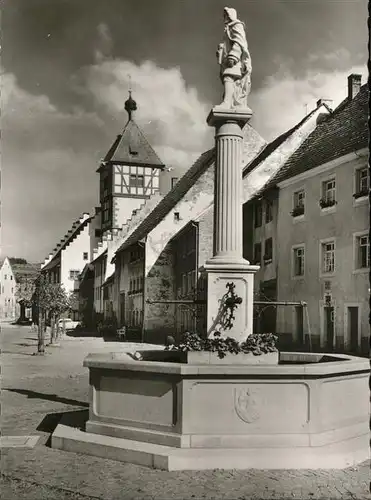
(208, 358)
(193, 350)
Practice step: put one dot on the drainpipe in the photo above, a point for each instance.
(144, 294)
(196, 226)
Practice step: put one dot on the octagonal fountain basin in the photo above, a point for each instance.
(305, 410)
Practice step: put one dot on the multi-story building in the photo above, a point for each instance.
(8, 302)
(69, 258)
(17, 278)
(311, 233)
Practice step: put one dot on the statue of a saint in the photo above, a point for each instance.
(235, 62)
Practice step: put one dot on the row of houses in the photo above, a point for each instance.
(137, 261)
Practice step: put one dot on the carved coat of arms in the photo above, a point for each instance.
(245, 403)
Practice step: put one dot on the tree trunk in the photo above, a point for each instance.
(52, 330)
(57, 331)
(41, 334)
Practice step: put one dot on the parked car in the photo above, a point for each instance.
(68, 324)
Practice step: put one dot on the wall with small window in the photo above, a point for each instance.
(160, 318)
(260, 235)
(72, 258)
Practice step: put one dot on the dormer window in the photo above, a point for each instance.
(133, 151)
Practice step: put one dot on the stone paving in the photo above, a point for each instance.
(36, 392)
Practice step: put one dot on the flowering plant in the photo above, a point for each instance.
(257, 344)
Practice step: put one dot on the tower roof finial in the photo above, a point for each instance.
(130, 104)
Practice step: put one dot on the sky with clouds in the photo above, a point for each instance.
(65, 76)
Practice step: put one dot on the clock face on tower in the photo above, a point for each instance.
(130, 180)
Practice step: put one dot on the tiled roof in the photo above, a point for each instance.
(199, 167)
(132, 147)
(272, 146)
(343, 132)
(171, 199)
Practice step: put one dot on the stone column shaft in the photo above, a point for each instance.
(228, 192)
(227, 264)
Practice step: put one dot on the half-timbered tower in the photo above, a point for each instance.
(129, 173)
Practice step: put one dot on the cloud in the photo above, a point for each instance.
(171, 114)
(48, 163)
(50, 156)
(104, 43)
(284, 99)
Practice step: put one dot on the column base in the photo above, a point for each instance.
(219, 262)
(219, 317)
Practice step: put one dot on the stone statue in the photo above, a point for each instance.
(235, 62)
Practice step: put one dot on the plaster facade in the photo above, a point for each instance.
(346, 284)
(8, 303)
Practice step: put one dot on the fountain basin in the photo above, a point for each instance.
(179, 416)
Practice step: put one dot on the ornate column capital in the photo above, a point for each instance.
(219, 116)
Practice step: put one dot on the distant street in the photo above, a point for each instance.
(37, 390)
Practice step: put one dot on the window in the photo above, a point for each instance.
(98, 233)
(136, 180)
(363, 251)
(184, 284)
(174, 180)
(105, 187)
(135, 255)
(74, 274)
(85, 256)
(328, 257)
(328, 194)
(258, 214)
(257, 253)
(298, 261)
(362, 182)
(11, 278)
(190, 286)
(298, 203)
(5, 277)
(106, 211)
(268, 250)
(268, 211)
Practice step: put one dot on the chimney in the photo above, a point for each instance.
(354, 85)
(326, 103)
(321, 118)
